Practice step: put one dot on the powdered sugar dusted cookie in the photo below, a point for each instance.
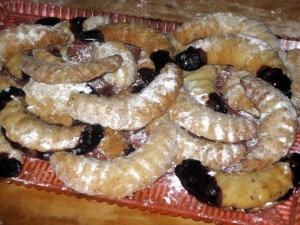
(18, 39)
(131, 112)
(205, 122)
(121, 176)
(277, 125)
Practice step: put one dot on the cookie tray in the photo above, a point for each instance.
(166, 196)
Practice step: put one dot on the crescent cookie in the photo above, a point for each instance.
(234, 93)
(213, 24)
(205, 122)
(137, 34)
(50, 101)
(293, 62)
(244, 190)
(124, 175)
(66, 72)
(241, 51)
(277, 125)
(20, 38)
(200, 83)
(30, 132)
(6, 82)
(127, 73)
(95, 21)
(131, 112)
(213, 154)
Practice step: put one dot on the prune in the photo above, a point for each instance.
(276, 78)
(147, 76)
(8, 93)
(48, 21)
(195, 179)
(191, 59)
(90, 138)
(76, 25)
(160, 58)
(129, 150)
(216, 103)
(9, 167)
(91, 36)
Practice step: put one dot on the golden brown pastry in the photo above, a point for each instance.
(6, 82)
(213, 154)
(65, 72)
(137, 34)
(234, 93)
(241, 51)
(131, 112)
(50, 101)
(200, 83)
(277, 125)
(13, 66)
(127, 73)
(124, 175)
(212, 24)
(205, 122)
(18, 39)
(245, 190)
(30, 132)
(293, 62)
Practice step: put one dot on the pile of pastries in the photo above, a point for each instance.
(113, 106)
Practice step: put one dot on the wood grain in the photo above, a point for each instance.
(20, 205)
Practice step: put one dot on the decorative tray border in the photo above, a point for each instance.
(165, 196)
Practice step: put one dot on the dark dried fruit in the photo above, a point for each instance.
(216, 103)
(91, 36)
(276, 78)
(195, 179)
(89, 140)
(48, 21)
(9, 167)
(7, 95)
(191, 59)
(76, 25)
(129, 150)
(160, 58)
(147, 76)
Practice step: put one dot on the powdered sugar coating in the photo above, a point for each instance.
(241, 51)
(131, 112)
(204, 122)
(121, 176)
(278, 125)
(18, 39)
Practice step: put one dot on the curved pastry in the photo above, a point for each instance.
(11, 160)
(277, 125)
(24, 128)
(213, 24)
(205, 122)
(293, 62)
(6, 82)
(131, 112)
(13, 66)
(50, 101)
(213, 154)
(95, 21)
(121, 176)
(20, 38)
(234, 93)
(200, 83)
(127, 73)
(241, 51)
(141, 35)
(246, 190)
(64, 72)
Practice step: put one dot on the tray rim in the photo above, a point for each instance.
(153, 22)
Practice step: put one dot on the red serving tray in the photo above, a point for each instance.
(165, 196)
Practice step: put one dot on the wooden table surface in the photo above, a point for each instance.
(21, 205)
